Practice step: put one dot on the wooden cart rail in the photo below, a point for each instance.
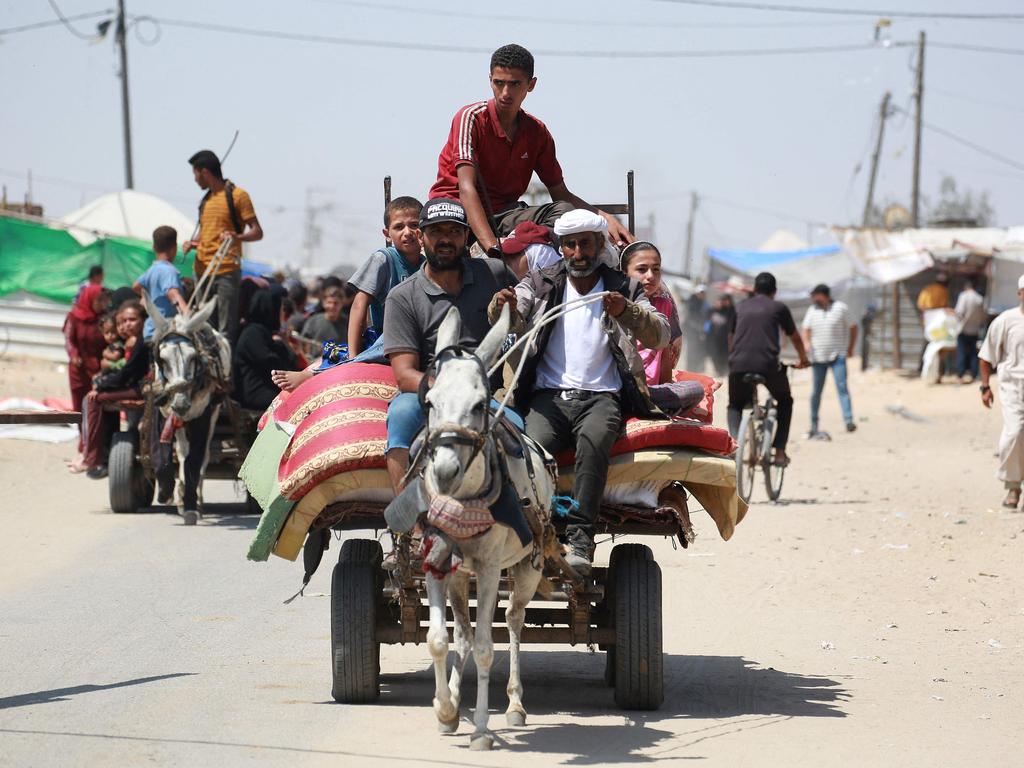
(618, 519)
(28, 416)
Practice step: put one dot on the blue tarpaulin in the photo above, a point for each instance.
(753, 262)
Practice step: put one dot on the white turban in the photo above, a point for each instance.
(579, 220)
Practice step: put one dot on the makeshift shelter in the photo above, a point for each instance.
(905, 261)
(797, 267)
(128, 214)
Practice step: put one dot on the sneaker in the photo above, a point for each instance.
(851, 427)
(581, 552)
(97, 473)
(191, 516)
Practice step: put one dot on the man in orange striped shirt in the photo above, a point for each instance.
(222, 218)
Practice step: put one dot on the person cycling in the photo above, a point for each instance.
(754, 344)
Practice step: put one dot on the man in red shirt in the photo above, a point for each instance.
(492, 152)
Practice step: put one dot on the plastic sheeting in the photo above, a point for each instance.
(52, 264)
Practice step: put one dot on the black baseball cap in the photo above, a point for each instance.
(442, 209)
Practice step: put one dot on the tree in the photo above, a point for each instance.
(967, 206)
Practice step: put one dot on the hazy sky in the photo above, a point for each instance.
(783, 133)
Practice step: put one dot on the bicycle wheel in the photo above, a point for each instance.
(747, 458)
(773, 473)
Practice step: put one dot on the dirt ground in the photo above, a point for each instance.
(873, 617)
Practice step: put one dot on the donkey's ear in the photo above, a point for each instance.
(490, 348)
(198, 319)
(448, 333)
(160, 323)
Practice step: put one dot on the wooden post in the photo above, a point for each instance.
(897, 352)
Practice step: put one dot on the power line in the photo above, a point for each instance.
(981, 102)
(786, 8)
(62, 19)
(977, 48)
(54, 22)
(555, 53)
(971, 145)
(578, 22)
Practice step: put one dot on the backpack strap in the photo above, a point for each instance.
(229, 195)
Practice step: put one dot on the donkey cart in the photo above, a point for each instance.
(619, 609)
(134, 472)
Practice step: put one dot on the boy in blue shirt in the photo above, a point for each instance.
(385, 269)
(162, 281)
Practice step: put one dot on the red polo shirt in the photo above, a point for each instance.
(504, 167)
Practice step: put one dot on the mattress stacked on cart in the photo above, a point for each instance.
(324, 443)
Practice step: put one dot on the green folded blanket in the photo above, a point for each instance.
(259, 473)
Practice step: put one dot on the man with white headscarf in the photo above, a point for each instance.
(583, 374)
(1003, 350)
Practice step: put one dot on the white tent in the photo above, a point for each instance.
(126, 214)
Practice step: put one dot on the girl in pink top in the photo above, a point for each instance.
(642, 262)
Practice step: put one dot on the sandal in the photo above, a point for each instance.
(1012, 499)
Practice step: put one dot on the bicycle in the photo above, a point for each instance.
(754, 445)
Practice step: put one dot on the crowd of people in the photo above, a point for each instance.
(613, 357)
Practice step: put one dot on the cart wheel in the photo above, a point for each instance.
(127, 482)
(619, 553)
(638, 650)
(355, 594)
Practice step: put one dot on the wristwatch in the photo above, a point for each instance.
(985, 388)
(495, 252)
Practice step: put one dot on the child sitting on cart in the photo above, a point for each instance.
(386, 268)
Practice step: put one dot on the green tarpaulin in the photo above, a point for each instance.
(50, 263)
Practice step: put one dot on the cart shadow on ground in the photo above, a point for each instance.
(720, 695)
(234, 516)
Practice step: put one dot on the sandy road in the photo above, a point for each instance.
(876, 617)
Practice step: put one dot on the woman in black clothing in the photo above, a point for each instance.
(259, 351)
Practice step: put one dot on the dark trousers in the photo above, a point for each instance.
(546, 214)
(225, 319)
(591, 426)
(100, 425)
(967, 355)
(197, 432)
(741, 395)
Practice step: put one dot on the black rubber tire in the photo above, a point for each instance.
(361, 551)
(127, 484)
(773, 475)
(628, 552)
(620, 552)
(356, 587)
(746, 457)
(639, 663)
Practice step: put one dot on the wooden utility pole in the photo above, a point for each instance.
(915, 209)
(688, 264)
(129, 176)
(883, 114)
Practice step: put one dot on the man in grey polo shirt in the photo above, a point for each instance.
(414, 311)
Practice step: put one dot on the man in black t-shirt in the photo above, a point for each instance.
(755, 340)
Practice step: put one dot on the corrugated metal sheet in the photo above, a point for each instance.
(32, 326)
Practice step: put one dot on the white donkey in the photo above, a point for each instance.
(188, 373)
(462, 464)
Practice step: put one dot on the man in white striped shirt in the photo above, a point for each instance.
(830, 338)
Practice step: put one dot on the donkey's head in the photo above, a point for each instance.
(179, 364)
(457, 407)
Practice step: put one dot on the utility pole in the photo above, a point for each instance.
(129, 177)
(688, 263)
(915, 209)
(883, 114)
